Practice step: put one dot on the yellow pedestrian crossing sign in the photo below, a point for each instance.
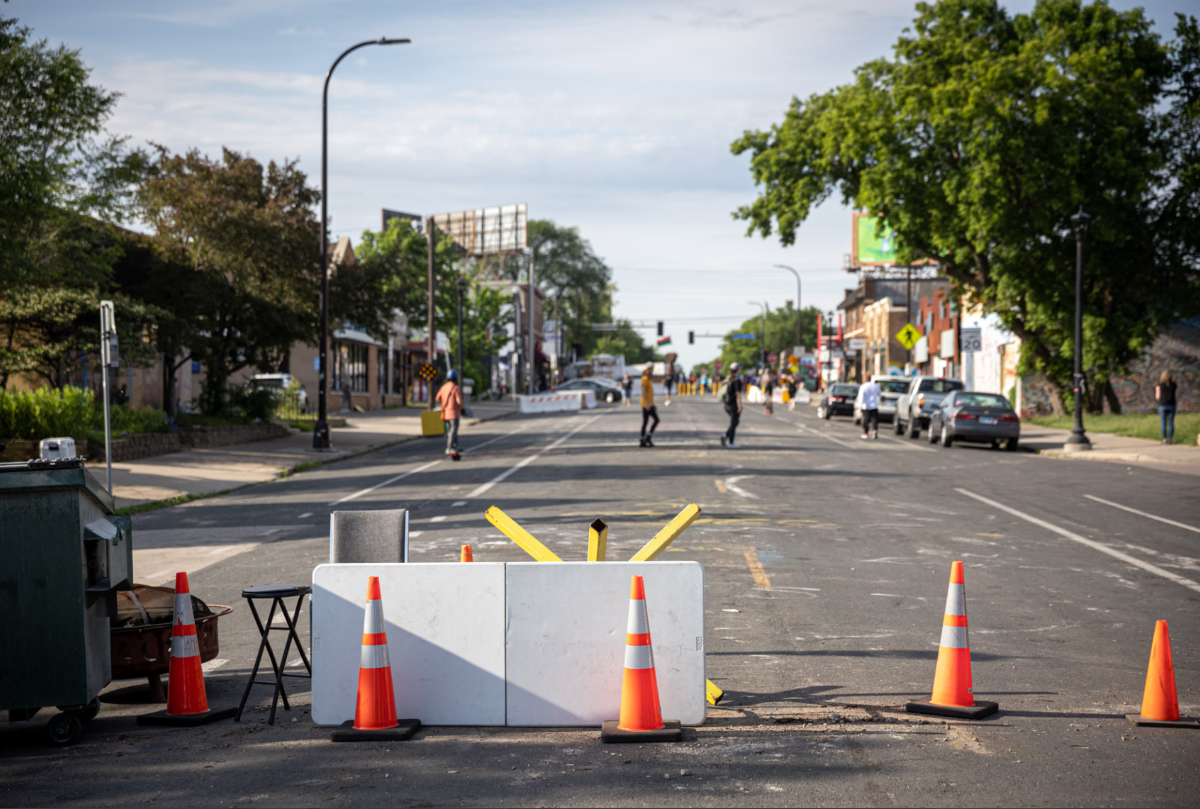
(908, 336)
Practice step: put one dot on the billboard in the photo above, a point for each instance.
(873, 247)
(503, 229)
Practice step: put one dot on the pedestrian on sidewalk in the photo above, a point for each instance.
(730, 394)
(451, 399)
(627, 390)
(649, 411)
(768, 388)
(870, 393)
(1164, 397)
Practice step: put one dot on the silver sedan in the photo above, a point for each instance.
(981, 418)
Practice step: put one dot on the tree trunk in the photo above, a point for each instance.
(1114, 404)
(1056, 396)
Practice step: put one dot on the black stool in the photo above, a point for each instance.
(277, 593)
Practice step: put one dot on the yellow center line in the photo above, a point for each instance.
(756, 570)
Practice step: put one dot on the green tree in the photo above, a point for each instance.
(251, 237)
(625, 342)
(59, 173)
(977, 142)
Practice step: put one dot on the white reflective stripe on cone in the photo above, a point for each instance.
(956, 600)
(375, 656)
(183, 609)
(373, 619)
(638, 625)
(185, 646)
(638, 657)
(954, 637)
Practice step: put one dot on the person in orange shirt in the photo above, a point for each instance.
(451, 400)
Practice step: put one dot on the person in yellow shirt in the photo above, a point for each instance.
(649, 411)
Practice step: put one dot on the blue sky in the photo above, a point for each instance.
(615, 117)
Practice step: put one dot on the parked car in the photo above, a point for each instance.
(917, 403)
(280, 383)
(891, 390)
(606, 390)
(981, 418)
(838, 401)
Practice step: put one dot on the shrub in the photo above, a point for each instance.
(46, 413)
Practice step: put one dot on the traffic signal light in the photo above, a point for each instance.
(691, 338)
(660, 328)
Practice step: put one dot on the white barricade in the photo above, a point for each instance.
(552, 402)
(522, 643)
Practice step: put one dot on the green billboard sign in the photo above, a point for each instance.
(873, 245)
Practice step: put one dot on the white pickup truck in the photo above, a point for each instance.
(918, 402)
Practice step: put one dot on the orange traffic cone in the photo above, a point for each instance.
(187, 702)
(1160, 701)
(641, 714)
(375, 711)
(466, 555)
(953, 694)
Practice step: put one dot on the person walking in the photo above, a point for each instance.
(451, 400)
(730, 394)
(627, 390)
(870, 393)
(768, 388)
(649, 411)
(1164, 397)
(667, 380)
(791, 389)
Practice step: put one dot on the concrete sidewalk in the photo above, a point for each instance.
(209, 471)
(1179, 458)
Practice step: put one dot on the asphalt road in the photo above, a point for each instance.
(826, 561)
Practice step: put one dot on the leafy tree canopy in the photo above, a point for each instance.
(980, 139)
(781, 336)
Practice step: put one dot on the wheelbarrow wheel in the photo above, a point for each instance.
(64, 728)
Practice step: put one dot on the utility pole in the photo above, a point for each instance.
(530, 313)
(108, 358)
(462, 285)
(431, 338)
(1078, 439)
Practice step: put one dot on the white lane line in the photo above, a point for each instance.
(1124, 557)
(435, 519)
(1143, 514)
(830, 437)
(501, 437)
(305, 514)
(731, 485)
(213, 665)
(401, 476)
(525, 462)
(415, 534)
(458, 504)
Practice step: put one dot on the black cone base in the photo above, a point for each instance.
(1182, 722)
(404, 730)
(162, 718)
(670, 732)
(977, 711)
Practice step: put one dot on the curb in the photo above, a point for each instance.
(294, 469)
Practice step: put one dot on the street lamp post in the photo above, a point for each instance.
(462, 286)
(793, 272)
(1078, 440)
(762, 343)
(321, 431)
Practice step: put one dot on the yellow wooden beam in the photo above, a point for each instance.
(597, 540)
(666, 536)
(508, 526)
(712, 692)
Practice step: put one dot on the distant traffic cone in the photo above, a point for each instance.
(466, 555)
(641, 713)
(375, 710)
(187, 702)
(1160, 701)
(953, 694)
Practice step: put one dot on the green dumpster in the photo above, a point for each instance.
(65, 555)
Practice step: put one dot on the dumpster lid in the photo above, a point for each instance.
(52, 473)
(41, 463)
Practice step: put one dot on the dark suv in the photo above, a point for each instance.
(917, 404)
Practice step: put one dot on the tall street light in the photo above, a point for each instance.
(762, 345)
(1078, 440)
(321, 432)
(793, 272)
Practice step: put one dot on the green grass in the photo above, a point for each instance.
(170, 501)
(1135, 425)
